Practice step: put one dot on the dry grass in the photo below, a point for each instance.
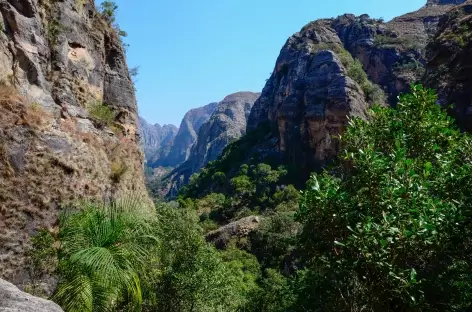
(16, 109)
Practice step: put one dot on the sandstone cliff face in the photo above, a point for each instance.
(187, 135)
(309, 96)
(156, 140)
(449, 63)
(68, 119)
(226, 124)
(14, 300)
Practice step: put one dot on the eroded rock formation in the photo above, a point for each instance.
(68, 119)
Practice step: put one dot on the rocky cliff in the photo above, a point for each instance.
(156, 140)
(226, 124)
(68, 119)
(187, 135)
(310, 95)
(315, 87)
(449, 57)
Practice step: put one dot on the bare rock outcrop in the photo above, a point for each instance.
(68, 119)
(449, 58)
(309, 96)
(14, 300)
(187, 135)
(226, 124)
(237, 229)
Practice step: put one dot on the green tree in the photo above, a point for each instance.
(388, 229)
(275, 240)
(187, 274)
(275, 294)
(101, 250)
(108, 10)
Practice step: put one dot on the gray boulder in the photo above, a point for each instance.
(14, 300)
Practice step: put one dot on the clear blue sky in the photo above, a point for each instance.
(193, 52)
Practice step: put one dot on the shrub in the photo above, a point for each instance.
(357, 73)
(43, 254)
(118, 169)
(102, 114)
(186, 273)
(391, 230)
(108, 10)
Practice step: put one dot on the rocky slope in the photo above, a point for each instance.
(156, 140)
(310, 96)
(187, 135)
(68, 119)
(450, 61)
(14, 300)
(314, 89)
(226, 124)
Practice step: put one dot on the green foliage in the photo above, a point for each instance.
(108, 10)
(356, 72)
(389, 39)
(102, 114)
(275, 240)
(275, 294)
(372, 92)
(118, 169)
(390, 231)
(102, 248)
(53, 30)
(233, 156)
(186, 274)
(411, 66)
(245, 270)
(43, 254)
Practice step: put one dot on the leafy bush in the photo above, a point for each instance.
(275, 294)
(391, 230)
(108, 10)
(102, 114)
(118, 169)
(275, 240)
(102, 249)
(186, 273)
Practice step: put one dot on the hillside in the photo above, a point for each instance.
(68, 119)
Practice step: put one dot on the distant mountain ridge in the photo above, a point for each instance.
(156, 140)
(169, 146)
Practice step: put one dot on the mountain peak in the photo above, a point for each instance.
(444, 2)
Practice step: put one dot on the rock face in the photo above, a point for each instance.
(156, 140)
(187, 135)
(444, 2)
(237, 229)
(226, 124)
(450, 61)
(68, 119)
(309, 96)
(14, 300)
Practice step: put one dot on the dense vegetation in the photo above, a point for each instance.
(385, 228)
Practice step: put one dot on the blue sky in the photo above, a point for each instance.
(193, 52)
